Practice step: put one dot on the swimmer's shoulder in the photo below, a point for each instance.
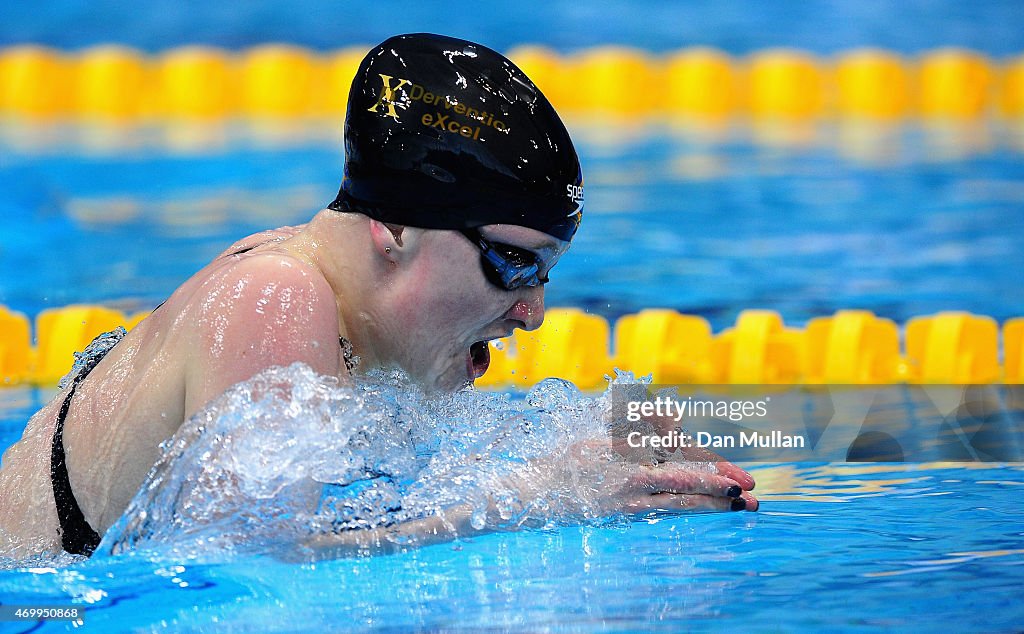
(264, 274)
(266, 257)
(235, 280)
(268, 237)
(262, 309)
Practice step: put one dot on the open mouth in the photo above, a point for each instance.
(479, 358)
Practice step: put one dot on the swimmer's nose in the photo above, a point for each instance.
(529, 309)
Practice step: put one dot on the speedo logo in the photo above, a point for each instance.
(575, 192)
(387, 100)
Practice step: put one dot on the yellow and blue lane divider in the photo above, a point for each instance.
(112, 82)
(850, 347)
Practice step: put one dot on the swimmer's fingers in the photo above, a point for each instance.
(678, 478)
(675, 503)
(729, 470)
(692, 454)
(751, 502)
(724, 467)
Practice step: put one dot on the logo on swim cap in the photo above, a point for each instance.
(387, 96)
(471, 141)
(446, 114)
(575, 193)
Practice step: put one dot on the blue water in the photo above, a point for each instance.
(932, 220)
(840, 547)
(705, 227)
(736, 26)
(836, 548)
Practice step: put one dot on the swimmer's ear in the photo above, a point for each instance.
(396, 232)
(387, 238)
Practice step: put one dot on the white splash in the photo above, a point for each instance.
(289, 455)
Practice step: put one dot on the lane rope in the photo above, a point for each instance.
(112, 82)
(850, 347)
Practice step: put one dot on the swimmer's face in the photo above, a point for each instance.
(459, 307)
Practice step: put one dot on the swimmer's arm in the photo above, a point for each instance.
(450, 524)
(454, 524)
(611, 488)
(270, 311)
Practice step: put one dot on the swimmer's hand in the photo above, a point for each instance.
(691, 479)
(677, 478)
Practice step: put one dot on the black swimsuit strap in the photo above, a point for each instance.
(76, 536)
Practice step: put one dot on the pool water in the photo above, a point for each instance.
(710, 227)
(902, 221)
(837, 547)
(736, 26)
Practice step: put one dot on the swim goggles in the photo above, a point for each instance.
(506, 266)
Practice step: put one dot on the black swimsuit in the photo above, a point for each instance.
(76, 536)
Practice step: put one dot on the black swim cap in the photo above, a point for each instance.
(442, 133)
